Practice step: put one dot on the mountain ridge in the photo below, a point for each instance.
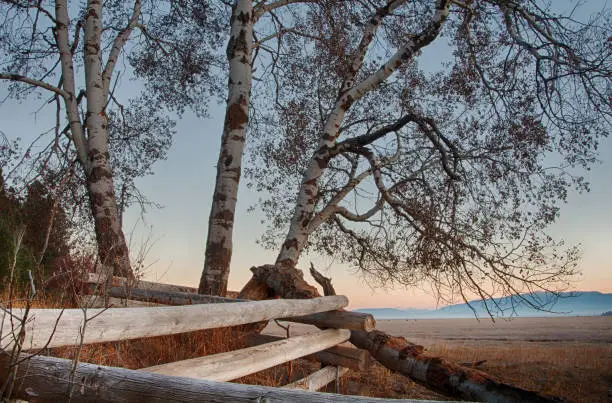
(575, 303)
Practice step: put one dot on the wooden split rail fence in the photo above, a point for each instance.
(42, 378)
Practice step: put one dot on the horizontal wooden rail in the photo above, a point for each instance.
(331, 319)
(338, 320)
(168, 297)
(97, 278)
(57, 327)
(319, 379)
(348, 357)
(97, 301)
(239, 363)
(47, 379)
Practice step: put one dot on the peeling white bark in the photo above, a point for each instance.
(111, 241)
(92, 143)
(63, 43)
(299, 229)
(221, 221)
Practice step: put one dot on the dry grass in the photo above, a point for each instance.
(576, 371)
(146, 352)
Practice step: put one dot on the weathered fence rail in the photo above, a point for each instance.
(319, 379)
(334, 319)
(62, 327)
(349, 357)
(49, 379)
(235, 364)
(98, 278)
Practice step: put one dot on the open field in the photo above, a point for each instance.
(585, 329)
(570, 357)
(582, 329)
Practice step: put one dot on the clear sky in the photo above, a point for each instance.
(183, 185)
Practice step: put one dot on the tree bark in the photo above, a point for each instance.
(302, 223)
(218, 251)
(324, 282)
(92, 150)
(112, 246)
(398, 354)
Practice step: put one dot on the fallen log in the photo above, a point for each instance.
(472, 364)
(396, 353)
(399, 355)
(341, 356)
(62, 327)
(247, 361)
(47, 379)
(329, 319)
(319, 379)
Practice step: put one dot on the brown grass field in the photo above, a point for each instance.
(568, 357)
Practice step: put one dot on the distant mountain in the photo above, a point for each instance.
(591, 303)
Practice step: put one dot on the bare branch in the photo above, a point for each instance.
(118, 44)
(35, 83)
(262, 8)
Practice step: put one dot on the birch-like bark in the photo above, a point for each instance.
(112, 246)
(298, 233)
(92, 150)
(221, 221)
(68, 83)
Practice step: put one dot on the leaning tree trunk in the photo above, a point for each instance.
(395, 353)
(284, 280)
(221, 221)
(304, 220)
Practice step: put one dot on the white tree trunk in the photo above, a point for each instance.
(112, 246)
(68, 83)
(308, 194)
(221, 221)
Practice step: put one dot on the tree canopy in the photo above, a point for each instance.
(434, 141)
